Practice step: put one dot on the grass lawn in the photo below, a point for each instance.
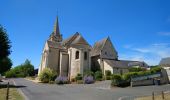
(13, 93)
(157, 97)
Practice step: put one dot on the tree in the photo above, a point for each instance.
(4, 44)
(27, 68)
(23, 70)
(5, 62)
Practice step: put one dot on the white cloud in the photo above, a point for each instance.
(164, 33)
(151, 54)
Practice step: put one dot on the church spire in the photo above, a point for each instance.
(56, 36)
(56, 28)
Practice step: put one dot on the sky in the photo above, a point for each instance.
(139, 29)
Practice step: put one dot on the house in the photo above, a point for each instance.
(74, 55)
(165, 63)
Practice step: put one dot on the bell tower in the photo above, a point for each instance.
(56, 36)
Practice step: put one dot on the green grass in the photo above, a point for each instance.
(13, 93)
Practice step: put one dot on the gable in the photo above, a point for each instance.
(76, 39)
(108, 51)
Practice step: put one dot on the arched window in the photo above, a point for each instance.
(85, 55)
(77, 54)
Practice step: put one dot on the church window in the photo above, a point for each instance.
(77, 54)
(85, 55)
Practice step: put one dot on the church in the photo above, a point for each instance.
(74, 55)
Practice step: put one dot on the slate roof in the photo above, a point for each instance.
(165, 62)
(124, 63)
(52, 44)
(98, 46)
(75, 39)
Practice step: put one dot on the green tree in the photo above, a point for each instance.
(27, 68)
(5, 62)
(4, 44)
(5, 65)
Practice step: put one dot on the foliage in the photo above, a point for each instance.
(47, 75)
(117, 80)
(61, 80)
(88, 79)
(108, 73)
(136, 69)
(98, 75)
(127, 76)
(4, 44)
(5, 65)
(80, 81)
(79, 77)
(23, 70)
(155, 69)
(88, 72)
(5, 62)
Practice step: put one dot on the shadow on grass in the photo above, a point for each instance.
(11, 86)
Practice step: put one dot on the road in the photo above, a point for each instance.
(98, 91)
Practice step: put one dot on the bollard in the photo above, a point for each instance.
(7, 93)
(163, 97)
(153, 98)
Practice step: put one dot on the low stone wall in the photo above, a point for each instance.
(142, 83)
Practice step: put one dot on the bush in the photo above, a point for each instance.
(155, 69)
(117, 80)
(136, 69)
(88, 73)
(127, 76)
(61, 80)
(23, 70)
(108, 73)
(47, 75)
(80, 81)
(88, 79)
(73, 80)
(78, 77)
(10, 74)
(108, 77)
(98, 75)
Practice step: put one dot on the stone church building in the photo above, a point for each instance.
(74, 55)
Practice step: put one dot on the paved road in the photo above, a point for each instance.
(98, 91)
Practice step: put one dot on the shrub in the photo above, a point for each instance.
(23, 70)
(80, 81)
(88, 79)
(78, 77)
(88, 73)
(108, 73)
(98, 75)
(73, 80)
(61, 80)
(108, 77)
(155, 69)
(10, 74)
(136, 69)
(47, 75)
(117, 80)
(127, 76)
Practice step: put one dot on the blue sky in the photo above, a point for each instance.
(139, 29)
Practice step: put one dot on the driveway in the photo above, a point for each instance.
(98, 91)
